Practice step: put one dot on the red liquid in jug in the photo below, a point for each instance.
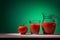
(34, 28)
(48, 27)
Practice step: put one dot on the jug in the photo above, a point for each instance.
(49, 24)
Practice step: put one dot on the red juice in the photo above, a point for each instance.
(34, 28)
(48, 27)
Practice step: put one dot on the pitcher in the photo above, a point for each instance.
(49, 24)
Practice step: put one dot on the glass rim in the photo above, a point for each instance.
(34, 20)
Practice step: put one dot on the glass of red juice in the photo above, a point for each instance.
(34, 26)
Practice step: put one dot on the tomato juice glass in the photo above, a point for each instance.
(34, 26)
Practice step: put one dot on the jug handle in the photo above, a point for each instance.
(56, 17)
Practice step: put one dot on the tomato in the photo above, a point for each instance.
(22, 29)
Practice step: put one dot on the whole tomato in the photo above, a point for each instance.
(22, 29)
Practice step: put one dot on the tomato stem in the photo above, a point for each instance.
(23, 24)
(29, 21)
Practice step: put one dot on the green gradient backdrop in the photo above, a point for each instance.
(16, 12)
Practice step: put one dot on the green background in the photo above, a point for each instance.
(17, 12)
